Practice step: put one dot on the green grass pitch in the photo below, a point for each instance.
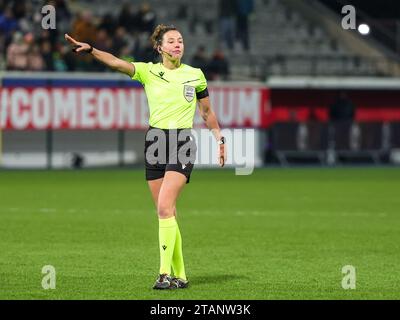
(276, 234)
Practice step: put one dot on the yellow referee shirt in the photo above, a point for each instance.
(171, 94)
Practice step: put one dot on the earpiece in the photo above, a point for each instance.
(162, 51)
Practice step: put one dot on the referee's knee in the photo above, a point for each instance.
(165, 211)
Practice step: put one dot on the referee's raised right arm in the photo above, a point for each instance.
(107, 58)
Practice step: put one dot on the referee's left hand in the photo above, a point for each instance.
(222, 155)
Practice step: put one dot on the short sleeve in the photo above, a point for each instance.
(141, 71)
(201, 88)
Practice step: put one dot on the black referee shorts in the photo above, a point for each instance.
(169, 150)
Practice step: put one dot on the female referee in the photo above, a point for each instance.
(173, 90)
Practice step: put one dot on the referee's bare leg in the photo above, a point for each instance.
(155, 186)
(165, 192)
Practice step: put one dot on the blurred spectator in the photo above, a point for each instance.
(35, 59)
(219, 66)
(26, 23)
(47, 54)
(63, 15)
(17, 53)
(108, 23)
(227, 11)
(200, 60)
(19, 9)
(120, 40)
(62, 11)
(20, 23)
(147, 53)
(135, 44)
(44, 36)
(103, 41)
(77, 6)
(146, 18)
(8, 23)
(126, 54)
(83, 27)
(64, 59)
(33, 22)
(244, 9)
(128, 18)
(342, 109)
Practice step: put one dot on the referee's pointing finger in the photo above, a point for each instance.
(70, 39)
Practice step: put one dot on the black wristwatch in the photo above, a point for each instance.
(221, 141)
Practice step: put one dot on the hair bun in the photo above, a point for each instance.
(158, 33)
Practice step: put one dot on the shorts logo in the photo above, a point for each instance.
(188, 93)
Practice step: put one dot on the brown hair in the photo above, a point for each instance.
(159, 31)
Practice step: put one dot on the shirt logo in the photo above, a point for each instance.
(188, 93)
(161, 74)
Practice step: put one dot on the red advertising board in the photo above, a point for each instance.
(39, 108)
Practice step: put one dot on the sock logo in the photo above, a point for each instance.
(164, 247)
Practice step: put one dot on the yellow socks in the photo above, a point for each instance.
(171, 248)
(167, 235)
(177, 258)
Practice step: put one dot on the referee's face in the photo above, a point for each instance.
(173, 44)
